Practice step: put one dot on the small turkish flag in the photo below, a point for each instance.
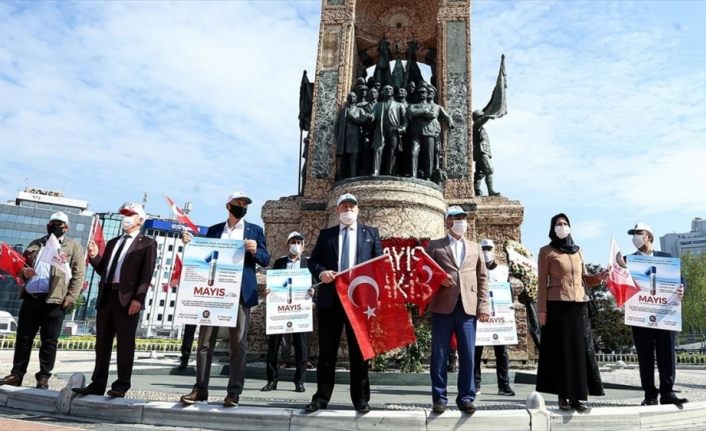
(375, 307)
(620, 282)
(181, 216)
(10, 260)
(97, 237)
(176, 275)
(426, 280)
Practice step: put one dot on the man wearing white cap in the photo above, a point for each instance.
(460, 301)
(253, 236)
(46, 294)
(651, 340)
(125, 268)
(293, 260)
(338, 248)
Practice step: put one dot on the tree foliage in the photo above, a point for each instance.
(693, 271)
(610, 333)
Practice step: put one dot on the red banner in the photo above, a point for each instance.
(10, 260)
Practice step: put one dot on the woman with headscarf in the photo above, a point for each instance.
(567, 365)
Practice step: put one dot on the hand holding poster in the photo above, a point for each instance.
(500, 329)
(289, 303)
(209, 288)
(657, 305)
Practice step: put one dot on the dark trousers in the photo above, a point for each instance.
(37, 315)
(301, 353)
(389, 157)
(208, 335)
(112, 320)
(426, 156)
(331, 324)
(502, 366)
(187, 341)
(647, 342)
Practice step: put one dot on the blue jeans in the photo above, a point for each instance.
(442, 326)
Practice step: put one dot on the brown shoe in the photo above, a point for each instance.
(193, 397)
(231, 400)
(43, 382)
(11, 380)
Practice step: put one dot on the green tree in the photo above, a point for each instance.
(693, 270)
(610, 333)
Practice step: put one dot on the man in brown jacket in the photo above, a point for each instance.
(461, 300)
(46, 294)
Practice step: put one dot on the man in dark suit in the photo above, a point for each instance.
(337, 249)
(293, 260)
(649, 340)
(126, 271)
(460, 301)
(235, 227)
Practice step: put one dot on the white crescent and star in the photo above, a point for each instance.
(363, 279)
(429, 273)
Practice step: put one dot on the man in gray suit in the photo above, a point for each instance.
(456, 306)
(388, 127)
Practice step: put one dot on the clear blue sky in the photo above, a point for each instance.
(107, 100)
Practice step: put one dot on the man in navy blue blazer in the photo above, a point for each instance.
(235, 227)
(649, 341)
(337, 249)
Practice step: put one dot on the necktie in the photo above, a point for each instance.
(116, 257)
(345, 255)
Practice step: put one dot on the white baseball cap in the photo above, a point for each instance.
(346, 197)
(487, 243)
(641, 226)
(238, 195)
(60, 216)
(454, 210)
(130, 208)
(295, 234)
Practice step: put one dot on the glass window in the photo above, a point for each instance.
(171, 303)
(174, 289)
(181, 249)
(159, 317)
(161, 302)
(171, 247)
(169, 318)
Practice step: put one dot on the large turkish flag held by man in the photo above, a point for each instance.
(375, 307)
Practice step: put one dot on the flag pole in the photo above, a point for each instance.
(382, 256)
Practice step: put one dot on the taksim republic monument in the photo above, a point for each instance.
(404, 191)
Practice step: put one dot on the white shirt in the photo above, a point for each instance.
(236, 232)
(352, 243)
(129, 238)
(40, 282)
(499, 273)
(293, 264)
(459, 248)
(651, 253)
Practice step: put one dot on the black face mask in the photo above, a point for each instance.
(55, 229)
(238, 211)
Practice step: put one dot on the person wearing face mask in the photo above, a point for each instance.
(338, 248)
(496, 272)
(253, 237)
(45, 297)
(125, 268)
(293, 260)
(461, 300)
(651, 342)
(566, 358)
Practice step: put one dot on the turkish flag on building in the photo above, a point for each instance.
(176, 275)
(10, 260)
(375, 307)
(620, 282)
(426, 280)
(183, 219)
(97, 237)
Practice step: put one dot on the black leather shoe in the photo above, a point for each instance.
(231, 400)
(116, 393)
(183, 364)
(43, 382)
(193, 397)
(270, 386)
(467, 407)
(11, 380)
(506, 391)
(299, 387)
(649, 402)
(363, 408)
(579, 406)
(438, 407)
(314, 406)
(564, 404)
(88, 390)
(672, 399)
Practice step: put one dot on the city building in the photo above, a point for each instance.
(693, 242)
(25, 219)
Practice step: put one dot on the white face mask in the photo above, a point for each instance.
(348, 217)
(638, 241)
(562, 231)
(489, 256)
(128, 223)
(459, 227)
(295, 249)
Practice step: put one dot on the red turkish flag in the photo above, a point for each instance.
(620, 282)
(183, 219)
(426, 280)
(10, 260)
(375, 307)
(176, 275)
(97, 237)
